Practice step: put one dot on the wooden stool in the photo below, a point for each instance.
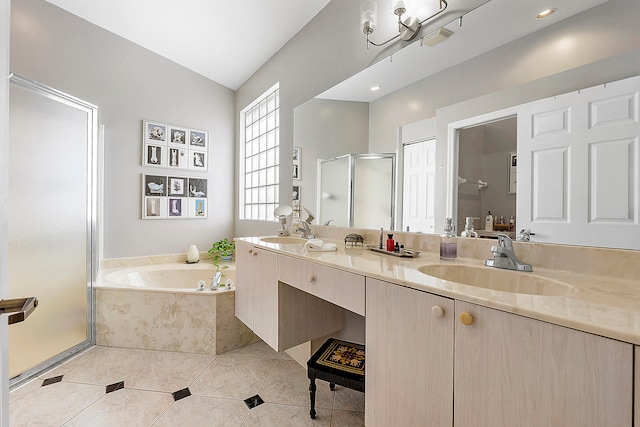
(338, 362)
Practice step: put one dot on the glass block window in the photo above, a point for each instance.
(259, 157)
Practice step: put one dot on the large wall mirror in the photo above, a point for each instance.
(333, 125)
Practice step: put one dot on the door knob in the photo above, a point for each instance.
(466, 319)
(437, 311)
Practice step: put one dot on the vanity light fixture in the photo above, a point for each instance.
(408, 28)
(546, 13)
(438, 36)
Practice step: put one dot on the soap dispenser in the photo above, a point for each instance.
(468, 228)
(448, 244)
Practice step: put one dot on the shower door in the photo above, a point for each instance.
(52, 210)
(357, 190)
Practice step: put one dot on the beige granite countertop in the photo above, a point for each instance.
(603, 304)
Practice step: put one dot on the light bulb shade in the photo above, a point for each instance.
(368, 16)
(400, 7)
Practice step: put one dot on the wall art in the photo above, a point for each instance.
(174, 197)
(174, 147)
(297, 162)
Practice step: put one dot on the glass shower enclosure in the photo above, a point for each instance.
(52, 224)
(357, 190)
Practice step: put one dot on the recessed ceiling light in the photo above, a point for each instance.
(374, 88)
(546, 13)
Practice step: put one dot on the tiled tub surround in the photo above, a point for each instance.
(152, 303)
(606, 300)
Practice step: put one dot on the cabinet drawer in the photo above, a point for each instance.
(336, 286)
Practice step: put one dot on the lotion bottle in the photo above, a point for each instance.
(488, 222)
(448, 244)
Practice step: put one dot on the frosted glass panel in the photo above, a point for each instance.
(373, 192)
(334, 193)
(47, 225)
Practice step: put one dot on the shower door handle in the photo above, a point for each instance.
(18, 309)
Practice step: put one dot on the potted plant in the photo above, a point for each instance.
(222, 250)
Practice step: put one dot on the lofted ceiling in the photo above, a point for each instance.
(206, 36)
(488, 25)
(209, 37)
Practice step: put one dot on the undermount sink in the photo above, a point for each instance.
(284, 240)
(498, 279)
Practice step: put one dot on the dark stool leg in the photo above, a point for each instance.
(332, 386)
(312, 395)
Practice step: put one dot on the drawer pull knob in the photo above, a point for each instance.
(310, 278)
(437, 311)
(466, 319)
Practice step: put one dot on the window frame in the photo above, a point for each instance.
(262, 165)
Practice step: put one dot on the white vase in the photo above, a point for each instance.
(193, 255)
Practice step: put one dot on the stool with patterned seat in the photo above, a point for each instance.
(338, 362)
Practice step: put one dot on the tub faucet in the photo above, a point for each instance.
(215, 281)
(505, 257)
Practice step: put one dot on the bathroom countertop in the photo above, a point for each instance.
(599, 304)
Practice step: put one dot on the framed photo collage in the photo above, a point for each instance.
(174, 196)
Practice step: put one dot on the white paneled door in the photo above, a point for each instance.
(418, 196)
(578, 160)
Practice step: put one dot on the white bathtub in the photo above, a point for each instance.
(158, 307)
(172, 277)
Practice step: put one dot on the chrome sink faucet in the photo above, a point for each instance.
(505, 257)
(305, 226)
(305, 230)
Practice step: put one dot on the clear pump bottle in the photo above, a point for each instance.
(448, 243)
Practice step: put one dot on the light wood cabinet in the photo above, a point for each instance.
(511, 370)
(409, 351)
(439, 362)
(256, 303)
(281, 315)
(339, 287)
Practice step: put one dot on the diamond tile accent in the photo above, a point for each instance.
(181, 394)
(52, 380)
(253, 401)
(115, 386)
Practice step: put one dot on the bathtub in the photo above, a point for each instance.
(158, 307)
(171, 277)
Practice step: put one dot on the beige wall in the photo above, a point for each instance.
(130, 84)
(325, 129)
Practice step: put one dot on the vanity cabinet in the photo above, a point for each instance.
(511, 370)
(429, 363)
(339, 287)
(409, 350)
(257, 291)
(284, 315)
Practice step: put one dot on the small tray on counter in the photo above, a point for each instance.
(408, 253)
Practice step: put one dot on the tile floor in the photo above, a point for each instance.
(110, 386)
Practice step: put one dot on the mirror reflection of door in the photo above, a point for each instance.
(483, 155)
(418, 194)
